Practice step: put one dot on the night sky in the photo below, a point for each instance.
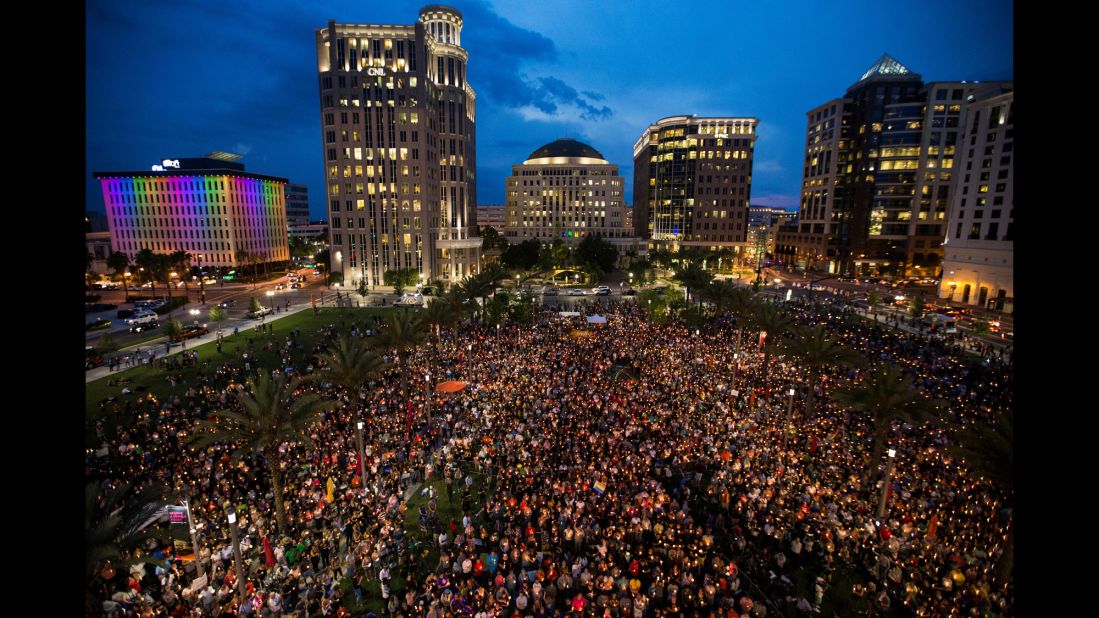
(180, 79)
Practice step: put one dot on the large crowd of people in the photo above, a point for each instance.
(676, 487)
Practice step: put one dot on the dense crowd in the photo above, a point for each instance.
(675, 488)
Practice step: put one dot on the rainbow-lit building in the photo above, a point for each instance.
(207, 206)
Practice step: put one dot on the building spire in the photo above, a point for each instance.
(886, 65)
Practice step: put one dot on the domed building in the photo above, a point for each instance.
(566, 189)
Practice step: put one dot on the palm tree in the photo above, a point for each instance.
(348, 365)
(404, 332)
(270, 416)
(438, 314)
(119, 262)
(114, 525)
(769, 319)
(456, 300)
(181, 261)
(817, 352)
(146, 260)
(887, 395)
(163, 265)
(694, 278)
(721, 294)
(989, 450)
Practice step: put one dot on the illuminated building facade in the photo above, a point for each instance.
(693, 179)
(207, 206)
(878, 174)
(568, 190)
(398, 128)
(979, 246)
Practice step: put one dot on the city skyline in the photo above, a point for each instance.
(244, 89)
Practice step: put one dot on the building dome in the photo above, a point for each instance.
(565, 150)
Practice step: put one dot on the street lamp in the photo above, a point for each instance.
(236, 549)
(888, 480)
(194, 315)
(201, 279)
(427, 400)
(362, 457)
(789, 413)
(736, 365)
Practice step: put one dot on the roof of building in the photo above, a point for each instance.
(887, 66)
(188, 172)
(566, 147)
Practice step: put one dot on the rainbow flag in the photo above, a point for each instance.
(600, 487)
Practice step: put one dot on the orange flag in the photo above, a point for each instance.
(932, 527)
(331, 490)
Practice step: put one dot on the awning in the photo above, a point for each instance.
(596, 319)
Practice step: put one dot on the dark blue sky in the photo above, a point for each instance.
(177, 79)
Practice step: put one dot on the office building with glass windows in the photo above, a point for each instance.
(208, 206)
(398, 131)
(693, 180)
(878, 174)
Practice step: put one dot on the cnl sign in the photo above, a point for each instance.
(375, 71)
(166, 163)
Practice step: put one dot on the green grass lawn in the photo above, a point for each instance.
(145, 379)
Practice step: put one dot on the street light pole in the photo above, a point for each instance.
(362, 455)
(201, 280)
(786, 421)
(236, 549)
(194, 540)
(427, 399)
(888, 480)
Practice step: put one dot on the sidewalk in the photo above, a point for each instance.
(158, 347)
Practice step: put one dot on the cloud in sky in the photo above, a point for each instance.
(185, 78)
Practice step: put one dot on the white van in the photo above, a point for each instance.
(142, 316)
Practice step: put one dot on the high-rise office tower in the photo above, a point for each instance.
(692, 181)
(979, 245)
(878, 172)
(398, 124)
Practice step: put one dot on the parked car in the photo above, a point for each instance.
(550, 290)
(259, 313)
(98, 324)
(225, 304)
(190, 332)
(630, 292)
(601, 290)
(576, 292)
(93, 307)
(144, 326)
(411, 299)
(281, 286)
(295, 286)
(142, 316)
(92, 358)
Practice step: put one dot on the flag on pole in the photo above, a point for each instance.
(331, 490)
(600, 487)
